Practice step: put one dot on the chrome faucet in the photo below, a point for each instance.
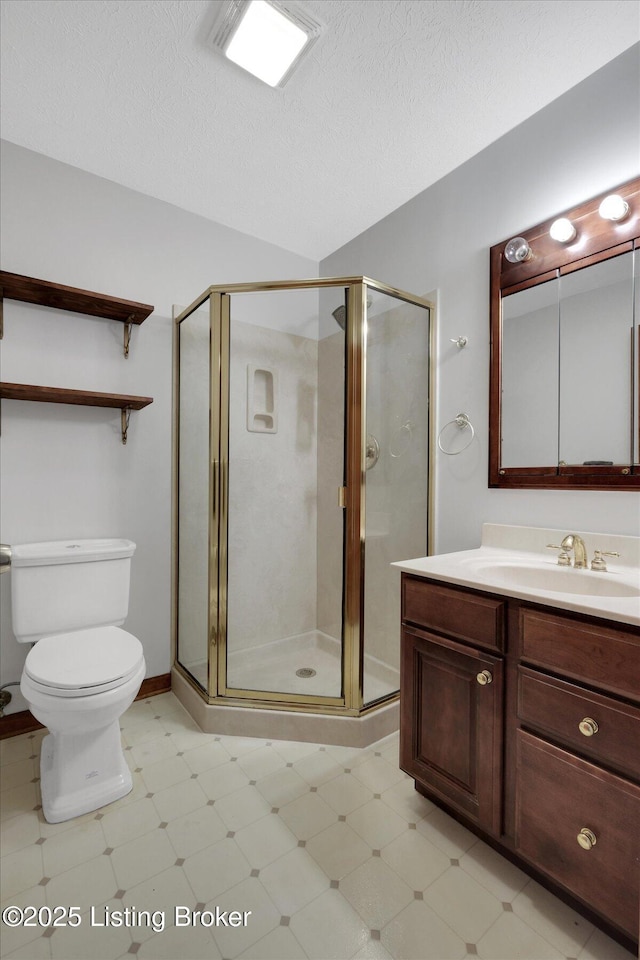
(573, 542)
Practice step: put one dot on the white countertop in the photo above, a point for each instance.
(507, 548)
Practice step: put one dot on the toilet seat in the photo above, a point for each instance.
(84, 663)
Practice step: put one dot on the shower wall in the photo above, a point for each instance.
(272, 492)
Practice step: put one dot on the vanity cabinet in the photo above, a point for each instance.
(543, 760)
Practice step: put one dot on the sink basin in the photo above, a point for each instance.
(553, 578)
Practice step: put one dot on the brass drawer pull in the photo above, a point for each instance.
(586, 838)
(484, 677)
(588, 727)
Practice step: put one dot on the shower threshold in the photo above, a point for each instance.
(276, 666)
(273, 667)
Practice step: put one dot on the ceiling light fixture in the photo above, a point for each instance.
(265, 37)
(562, 230)
(613, 207)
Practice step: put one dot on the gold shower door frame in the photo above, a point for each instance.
(351, 703)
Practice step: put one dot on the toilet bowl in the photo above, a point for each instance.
(78, 685)
(81, 673)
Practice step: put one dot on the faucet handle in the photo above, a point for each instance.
(564, 560)
(598, 562)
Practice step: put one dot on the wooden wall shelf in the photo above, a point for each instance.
(28, 289)
(84, 398)
(14, 286)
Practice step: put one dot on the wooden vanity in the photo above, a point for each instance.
(523, 721)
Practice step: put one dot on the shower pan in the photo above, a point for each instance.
(302, 467)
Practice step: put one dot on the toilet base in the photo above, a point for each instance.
(82, 772)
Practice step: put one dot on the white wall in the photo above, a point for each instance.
(65, 472)
(578, 146)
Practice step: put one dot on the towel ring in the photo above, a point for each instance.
(461, 421)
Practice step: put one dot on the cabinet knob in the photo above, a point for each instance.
(588, 727)
(484, 677)
(586, 838)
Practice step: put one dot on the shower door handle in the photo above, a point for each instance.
(342, 497)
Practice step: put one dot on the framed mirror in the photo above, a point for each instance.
(565, 349)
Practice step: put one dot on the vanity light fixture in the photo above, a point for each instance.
(265, 37)
(613, 208)
(562, 230)
(517, 250)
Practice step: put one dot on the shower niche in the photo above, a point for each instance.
(302, 467)
(262, 391)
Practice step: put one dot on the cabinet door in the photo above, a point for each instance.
(451, 724)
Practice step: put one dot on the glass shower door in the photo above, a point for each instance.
(281, 577)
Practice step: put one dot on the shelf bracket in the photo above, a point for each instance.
(127, 336)
(125, 415)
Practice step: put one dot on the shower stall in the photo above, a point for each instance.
(302, 469)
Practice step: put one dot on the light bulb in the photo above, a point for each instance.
(562, 230)
(517, 250)
(613, 207)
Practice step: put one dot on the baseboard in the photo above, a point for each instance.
(152, 686)
(13, 724)
(16, 723)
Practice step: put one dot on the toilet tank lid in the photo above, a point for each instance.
(69, 551)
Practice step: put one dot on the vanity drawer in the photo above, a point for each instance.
(458, 613)
(598, 655)
(558, 707)
(558, 798)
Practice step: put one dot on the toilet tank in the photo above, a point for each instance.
(66, 585)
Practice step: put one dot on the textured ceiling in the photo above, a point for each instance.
(394, 95)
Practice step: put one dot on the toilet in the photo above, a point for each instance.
(83, 671)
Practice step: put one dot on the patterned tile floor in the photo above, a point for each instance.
(330, 849)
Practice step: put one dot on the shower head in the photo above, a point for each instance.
(340, 316)
(340, 313)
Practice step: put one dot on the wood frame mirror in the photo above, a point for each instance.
(564, 406)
